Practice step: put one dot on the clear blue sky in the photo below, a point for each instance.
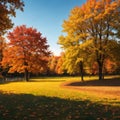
(47, 17)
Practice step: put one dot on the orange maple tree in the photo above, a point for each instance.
(59, 69)
(27, 51)
(55, 65)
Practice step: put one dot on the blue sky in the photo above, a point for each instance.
(47, 17)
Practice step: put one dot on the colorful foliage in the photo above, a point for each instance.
(89, 30)
(8, 9)
(27, 51)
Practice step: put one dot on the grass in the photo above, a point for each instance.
(45, 99)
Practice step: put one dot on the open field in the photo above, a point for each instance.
(62, 98)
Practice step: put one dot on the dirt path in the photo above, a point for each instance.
(101, 91)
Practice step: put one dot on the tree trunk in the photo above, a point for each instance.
(26, 75)
(100, 65)
(81, 71)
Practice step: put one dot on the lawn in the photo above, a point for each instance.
(59, 98)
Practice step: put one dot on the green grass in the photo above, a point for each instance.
(45, 99)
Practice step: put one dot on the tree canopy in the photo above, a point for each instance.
(89, 30)
(26, 51)
(7, 10)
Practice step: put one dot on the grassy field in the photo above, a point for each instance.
(59, 98)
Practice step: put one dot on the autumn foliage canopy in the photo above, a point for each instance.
(26, 51)
(89, 31)
(7, 10)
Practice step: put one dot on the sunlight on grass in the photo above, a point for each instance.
(47, 99)
(51, 87)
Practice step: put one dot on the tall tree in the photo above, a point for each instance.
(7, 10)
(27, 51)
(75, 56)
(91, 27)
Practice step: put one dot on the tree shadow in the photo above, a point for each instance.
(30, 107)
(9, 80)
(106, 82)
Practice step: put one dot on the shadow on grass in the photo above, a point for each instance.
(106, 82)
(31, 80)
(30, 107)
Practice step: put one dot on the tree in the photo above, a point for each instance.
(59, 70)
(90, 28)
(2, 45)
(110, 66)
(27, 51)
(7, 10)
(52, 64)
(114, 57)
(75, 57)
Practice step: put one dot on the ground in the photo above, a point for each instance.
(105, 88)
(60, 98)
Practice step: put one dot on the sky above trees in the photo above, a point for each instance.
(47, 17)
